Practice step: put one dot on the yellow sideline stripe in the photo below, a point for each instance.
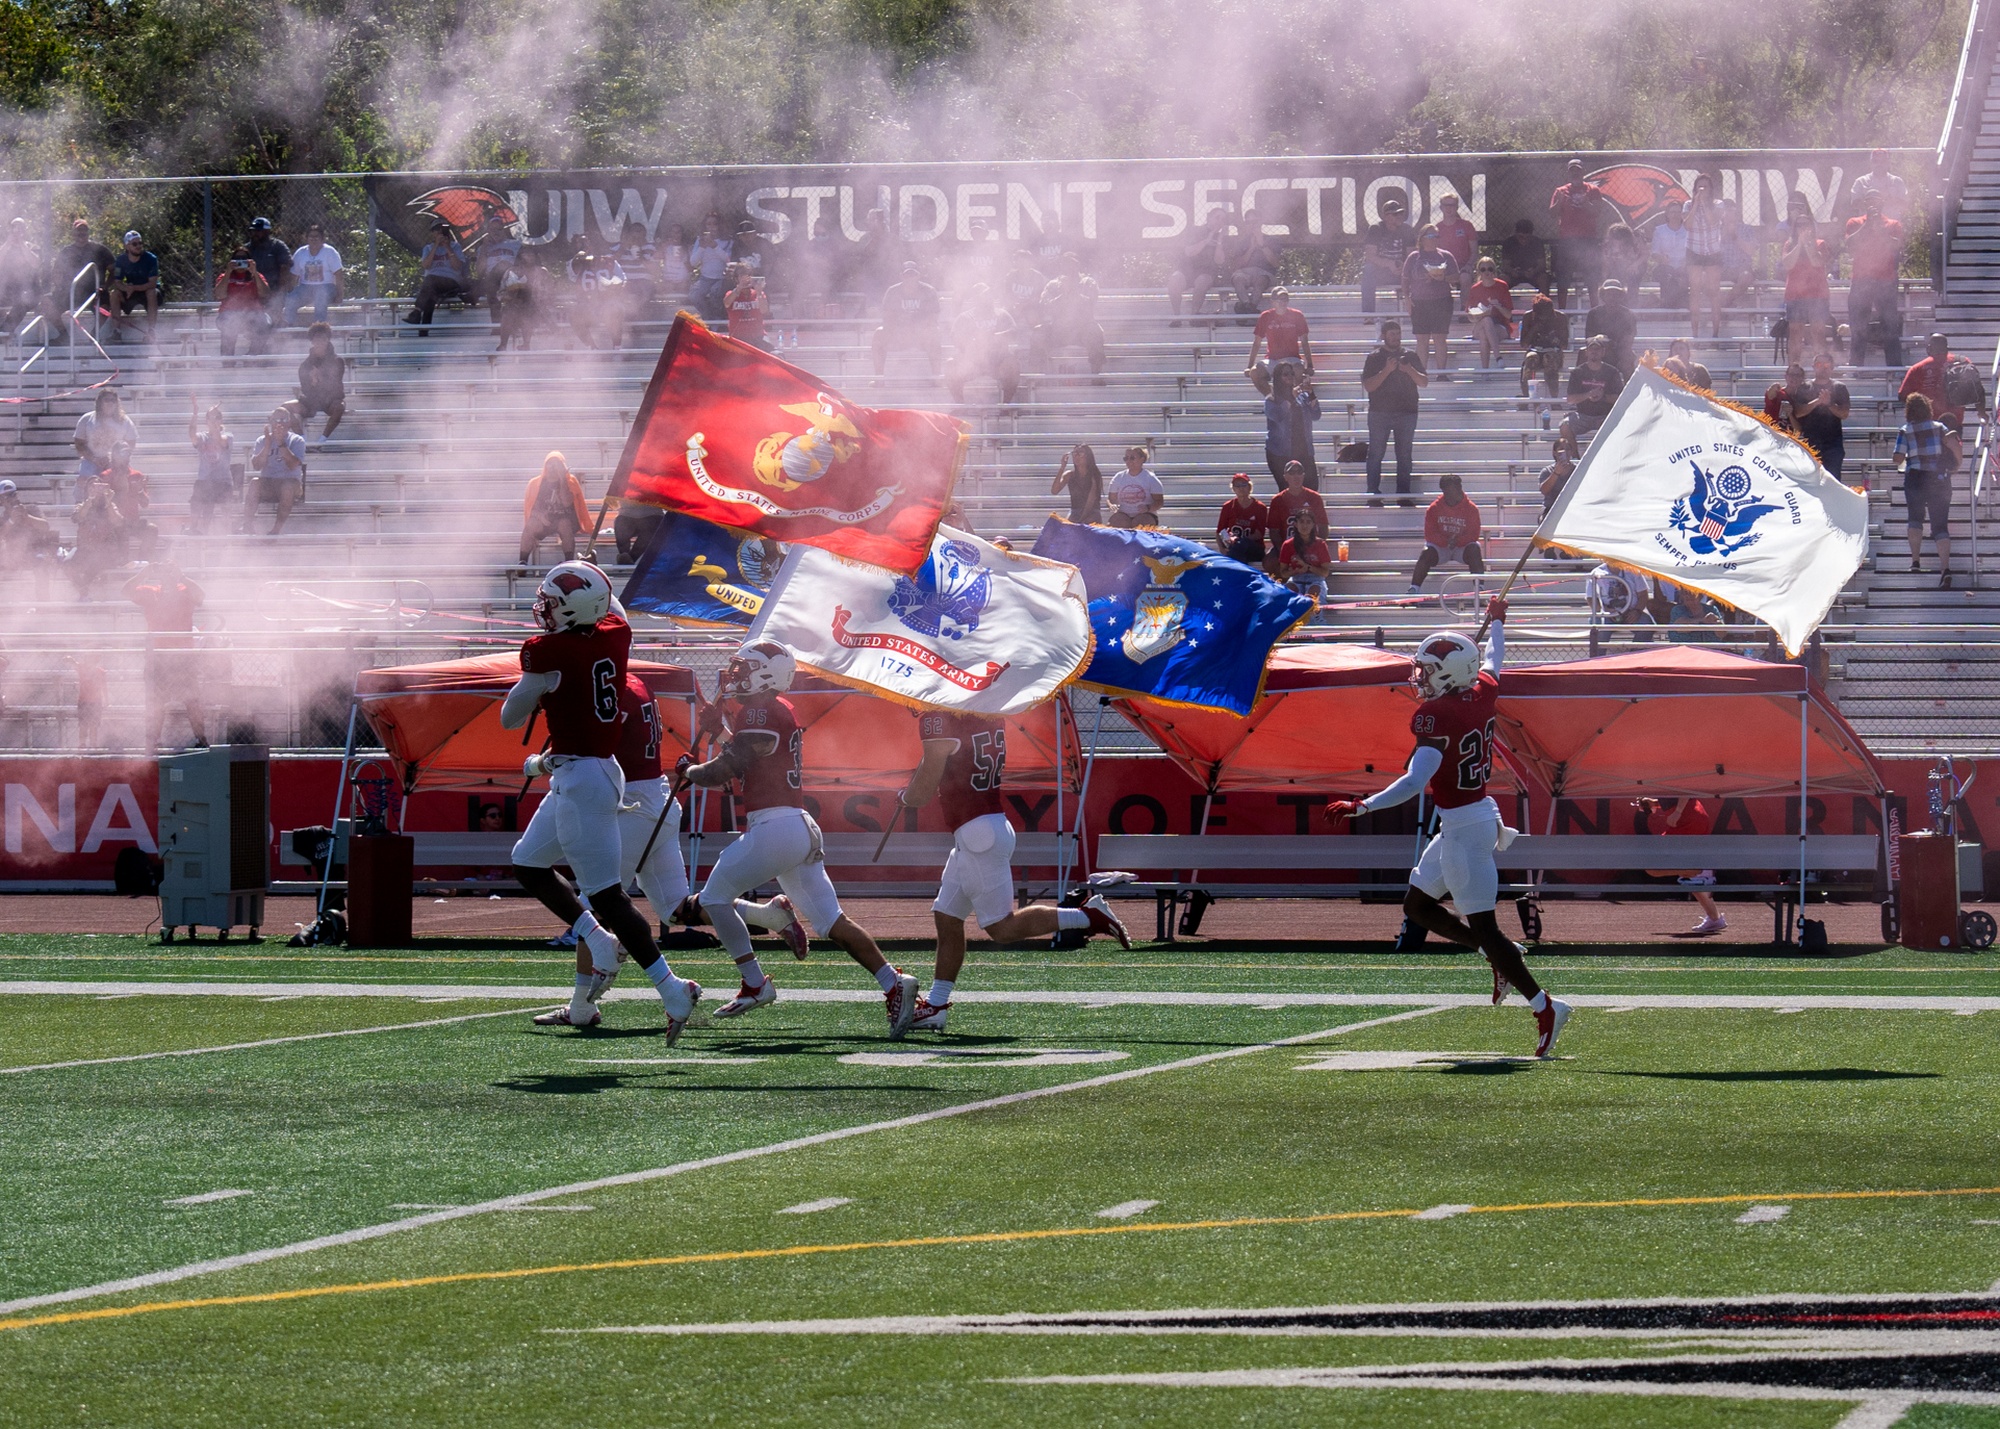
(118, 1312)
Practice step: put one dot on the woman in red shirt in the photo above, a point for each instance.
(1808, 309)
(1689, 818)
(1489, 303)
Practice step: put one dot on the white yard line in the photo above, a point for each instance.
(1088, 1001)
(262, 1042)
(206, 1197)
(1125, 1210)
(1441, 1213)
(634, 1178)
(1763, 1215)
(824, 1203)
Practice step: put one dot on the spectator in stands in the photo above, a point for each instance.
(1806, 257)
(1135, 493)
(1893, 193)
(1924, 457)
(1672, 248)
(1874, 297)
(101, 539)
(1680, 362)
(168, 600)
(982, 339)
(1544, 341)
(1069, 309)
(1021, 288)
(597, 299)
(240, 291)
(133, 493)
(639, 256)
(1624, 258)
(909, 321)
(1689, 818)
(1819, 408)
(1385, 248)
(1616, 598)
(1304, 561)
(279, 463)
(1555, 476)
(1451, 533)
(1391, 376)
(1594, 385)
(553, 509)
(1289, 413)
(214, 482)
(1930, 376)
(273, 259)
(1616, 323)
(1284, 335)
(1241, 524)
(21, 277)
(1456, 233)
(749, 309)
(1296, 497)
(1256, 263)
(91, 697)
(747, 248)
(674, 272)
(322, 382)
(134, 285)
(1429, 276)
(27, 542)
(1705, 223)
(1078, 474)
(1577, 205)
(518, 304)
(1524, 257)
(444, 274)
(1489, 306)
(1780, 397)
(315, 280)
(69, 283)
(632, 529)
(97, 433)
(499, 249)
(1206, 260)
(708, 268)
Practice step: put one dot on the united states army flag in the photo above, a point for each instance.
(1710, 498)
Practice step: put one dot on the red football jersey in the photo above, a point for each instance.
(1460, 727)
(771, 781)
(639, 733)
(970, 787)
(582, 710)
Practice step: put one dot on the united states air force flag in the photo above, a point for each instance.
(1174, 621)
(1710, 498)
(974, 628)
(698, 573)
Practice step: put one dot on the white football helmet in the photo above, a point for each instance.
(762, 667)
(1447, 663)
(572, 596)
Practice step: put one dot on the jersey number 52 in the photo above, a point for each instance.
(989, 759)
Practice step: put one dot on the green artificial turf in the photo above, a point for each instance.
(334, 1134)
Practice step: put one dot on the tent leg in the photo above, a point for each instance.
(1062, 840)
(1083, 790)
(1805, 724)
(339, 797)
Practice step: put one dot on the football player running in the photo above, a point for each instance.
(965, 759)
(765, 749)
(1454, 728)
(573, 674)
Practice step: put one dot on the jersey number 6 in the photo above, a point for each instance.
(604, 690)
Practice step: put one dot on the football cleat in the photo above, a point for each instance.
(900, 1002)
(679, 1002)
(1105, 923)
(605, 951)
(1549, 1024)
(929, 1018)
(794, 932)
(749, 999)
(561, 1018)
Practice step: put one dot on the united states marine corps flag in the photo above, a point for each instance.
(975, 628)
(730, 434)
(1711, 498)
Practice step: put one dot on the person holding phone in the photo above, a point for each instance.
(1392, 376)
(240, 294)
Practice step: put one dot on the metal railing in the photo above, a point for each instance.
(1982, 466)
(87, 281)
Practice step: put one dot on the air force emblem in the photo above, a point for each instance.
(1157, 612)
(947, 595)
(1716, 517)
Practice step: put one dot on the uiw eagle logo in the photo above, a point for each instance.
(1640, 192)
(466, 209)
(1717, 515)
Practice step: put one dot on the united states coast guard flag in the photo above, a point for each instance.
(975, 628)
(1173, 620)
(698, 573)
(1715, 501)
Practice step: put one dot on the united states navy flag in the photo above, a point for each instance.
(1174, 621)
(698, 573)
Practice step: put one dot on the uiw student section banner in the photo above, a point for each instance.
(1105, 206)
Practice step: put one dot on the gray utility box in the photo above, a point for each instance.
(214, 839)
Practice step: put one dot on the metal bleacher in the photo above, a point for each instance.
(405, 546)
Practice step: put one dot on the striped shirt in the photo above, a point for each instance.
(1704, 222)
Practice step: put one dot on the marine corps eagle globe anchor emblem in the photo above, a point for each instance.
(1157, 613)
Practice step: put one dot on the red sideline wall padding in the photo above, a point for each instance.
(66, 817)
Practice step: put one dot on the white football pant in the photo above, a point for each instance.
(577, 823)
(979, 875)
(781, 843)
(1459, 861)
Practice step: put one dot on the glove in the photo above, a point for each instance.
(1340, 811)
(535, 766)
(681, 767)
(708, 719)
(1496, 610)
